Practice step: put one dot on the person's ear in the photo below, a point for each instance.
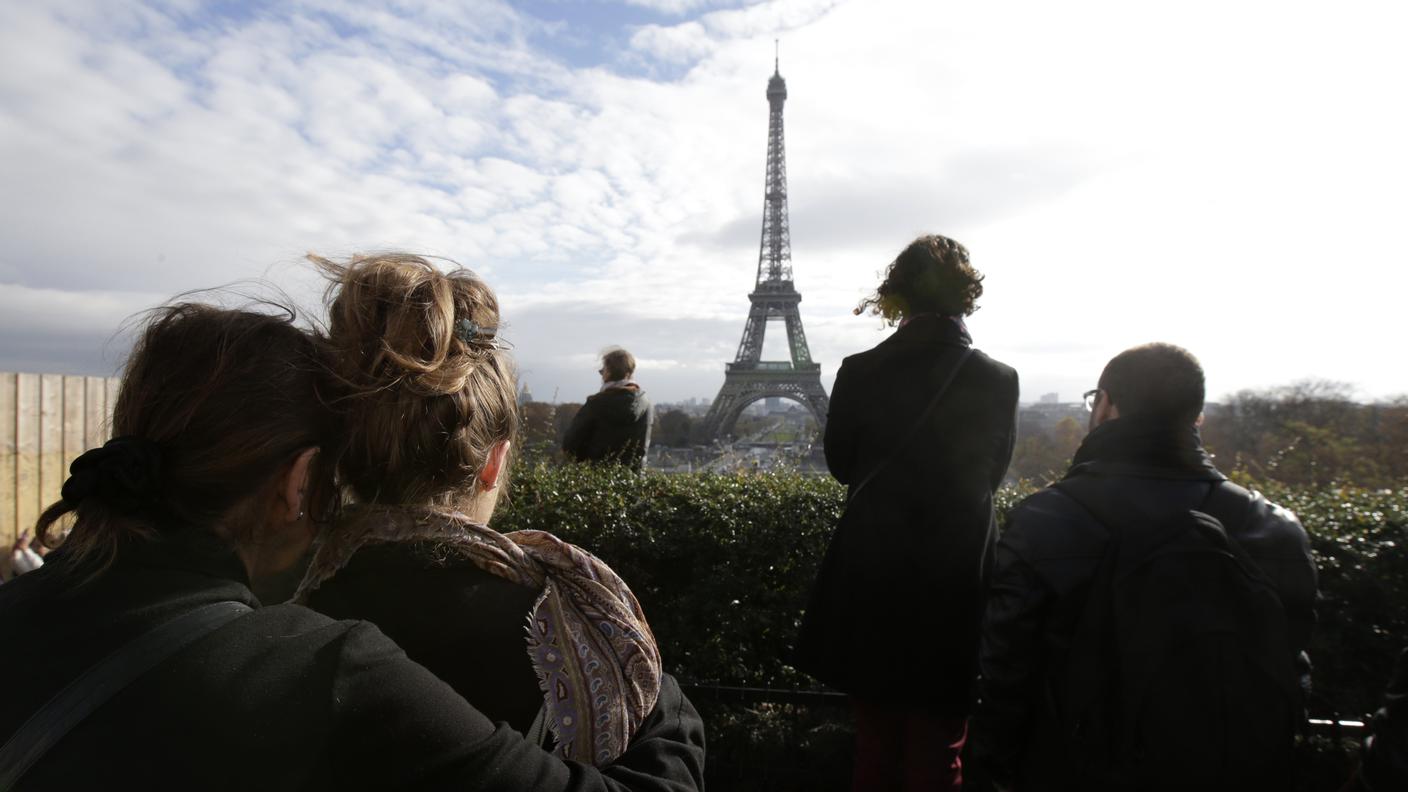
(494, 466)
(1198, 424)
(1103, 410)
(292, 497)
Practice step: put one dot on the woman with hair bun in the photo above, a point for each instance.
(920, 430)
(534, 631)
(146, 660)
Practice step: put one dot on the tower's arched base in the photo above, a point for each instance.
(744, 385)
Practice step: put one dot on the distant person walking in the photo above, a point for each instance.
(921, 430)
(614, 424)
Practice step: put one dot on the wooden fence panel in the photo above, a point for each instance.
(95, 412)
(9, 504)
(74, 429)
(74, 434)
(46, 421)
(111, 401)
(51, 438)
(27, 450)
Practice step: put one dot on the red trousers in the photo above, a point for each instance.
(906, 751)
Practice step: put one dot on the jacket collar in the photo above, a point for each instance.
(931, 329)
(1138, 446)
(191, 550)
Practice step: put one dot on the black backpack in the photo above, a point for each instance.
(1179, 673)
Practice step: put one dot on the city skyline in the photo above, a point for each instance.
(1224, 178)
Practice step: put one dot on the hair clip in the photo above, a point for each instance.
(469, 332)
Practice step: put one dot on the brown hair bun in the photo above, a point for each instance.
(429, 388)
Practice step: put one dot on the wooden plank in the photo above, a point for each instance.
(95, 412)
(113, 383)
(9, 515)
(74, 432)
(26, 450)
(51, 438)
(74, 416)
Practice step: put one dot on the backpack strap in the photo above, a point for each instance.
(1092, 654)
(100, 682)
(914, 428)
(1232, 506)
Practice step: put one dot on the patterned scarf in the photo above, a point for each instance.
(595, 657)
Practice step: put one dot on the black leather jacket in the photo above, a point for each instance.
(1047, 555)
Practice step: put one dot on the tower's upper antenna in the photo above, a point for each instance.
(776, 50)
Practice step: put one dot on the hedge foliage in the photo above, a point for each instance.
(1360, 541)
(722, 564)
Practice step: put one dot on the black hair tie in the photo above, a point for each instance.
(125, 474)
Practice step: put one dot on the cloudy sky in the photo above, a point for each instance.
(1229, 176)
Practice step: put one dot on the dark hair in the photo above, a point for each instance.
(213, 403)
(1158, 380)
(619, 363)
(931, 275)
(429, 390)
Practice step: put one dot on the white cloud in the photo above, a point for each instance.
(675, 7)
(682, 43)
(1226, 177)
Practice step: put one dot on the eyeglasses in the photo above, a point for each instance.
(1089, 398)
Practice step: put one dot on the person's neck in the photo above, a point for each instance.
(478, 505)
(1145, 441)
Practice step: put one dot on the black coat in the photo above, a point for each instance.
(895, 609)
(612, 426)
(280, 698)
(464, 624)
(1047, 557)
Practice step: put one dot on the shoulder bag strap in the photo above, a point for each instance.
(100, 682)
(913, 429)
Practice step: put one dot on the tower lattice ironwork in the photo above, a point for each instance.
(774, 299)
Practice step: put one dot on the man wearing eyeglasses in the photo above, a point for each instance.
(1146, 618)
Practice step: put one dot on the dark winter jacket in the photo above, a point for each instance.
(464, 624)
(280, 698)
(895, 610)
(1047, 557)
(612, 426)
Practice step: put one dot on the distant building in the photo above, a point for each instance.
(524, 395)
(1049, 398)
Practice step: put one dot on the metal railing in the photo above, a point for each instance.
(1333, 726)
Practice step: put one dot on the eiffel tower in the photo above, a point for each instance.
(774, 298)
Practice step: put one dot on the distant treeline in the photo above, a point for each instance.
(1313, 433)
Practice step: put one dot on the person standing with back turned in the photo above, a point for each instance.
(1147, 618)
(614, 424)
(921, 430)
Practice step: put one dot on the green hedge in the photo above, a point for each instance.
(722, 564)
(1360, 541)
